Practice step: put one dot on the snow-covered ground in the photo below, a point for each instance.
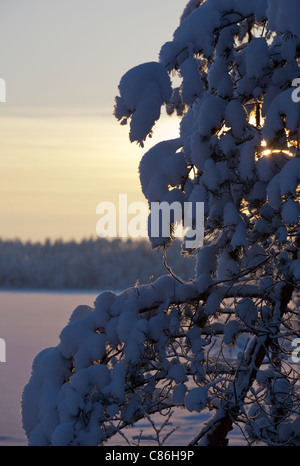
(31, 322)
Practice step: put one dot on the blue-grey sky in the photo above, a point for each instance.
(73, 52)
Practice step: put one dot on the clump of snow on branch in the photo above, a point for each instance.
(143, 90)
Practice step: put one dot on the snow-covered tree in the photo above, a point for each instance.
(223, 341)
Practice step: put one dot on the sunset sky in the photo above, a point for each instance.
(62, 151)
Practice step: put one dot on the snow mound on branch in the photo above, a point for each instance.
(190, 7)
(163, 159)
(196, 399)
(284, 16)
(283, 184)
(281, 105)
(143, 91)
(192, 86)
(198, 24)
(194, 34)
(257, 56)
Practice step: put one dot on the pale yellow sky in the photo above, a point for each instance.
(61, 150)
(56, 168)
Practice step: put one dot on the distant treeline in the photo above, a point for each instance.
(94, 264)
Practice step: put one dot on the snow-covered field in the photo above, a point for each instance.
(31, 322)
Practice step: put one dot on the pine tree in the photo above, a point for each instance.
(224, 340)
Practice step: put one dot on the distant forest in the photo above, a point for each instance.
(92, 264)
